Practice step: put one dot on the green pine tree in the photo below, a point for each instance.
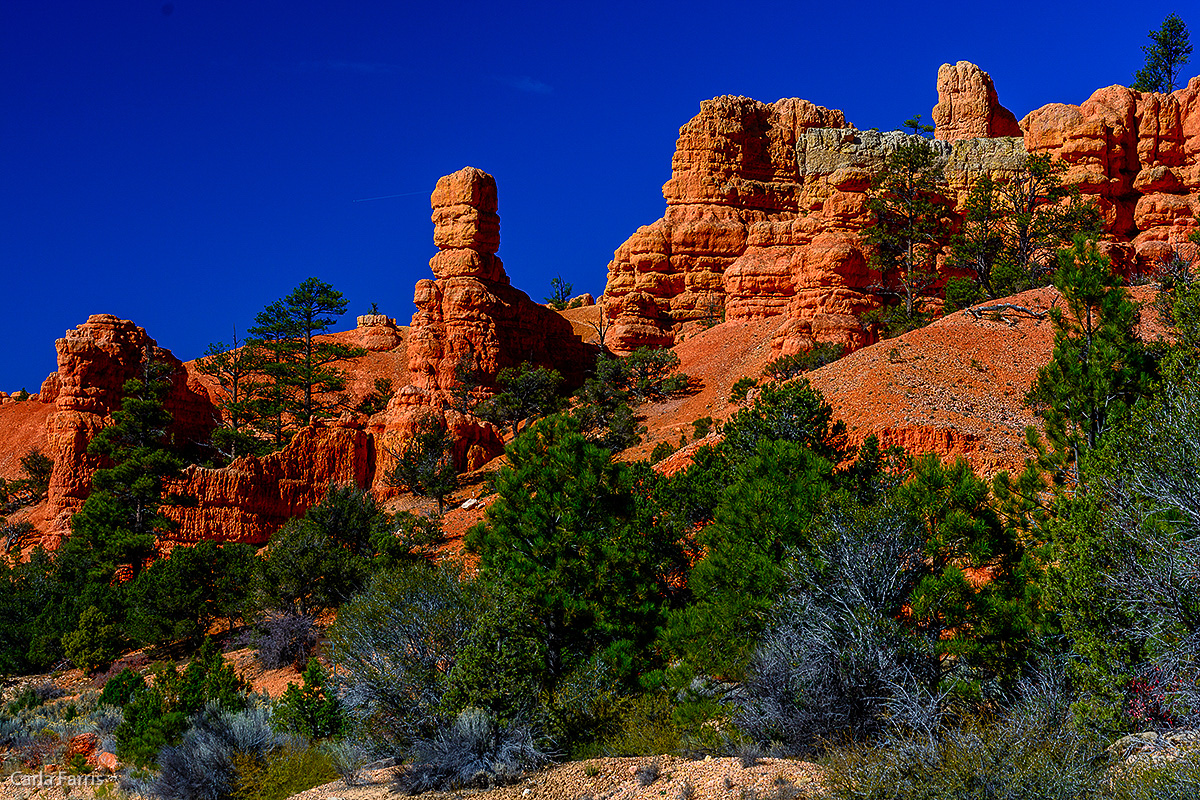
(1169, 50)
(426, 466)
(562, 538)
(529, 393)
(237, 370)
(760, 523)
(908, 202)
(300, 367)
(1099, 368)
(179, 597)
(122, 517)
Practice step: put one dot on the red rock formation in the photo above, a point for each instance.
(94, 362)
(50, 388)
(378, 333)
(766, 203)
(244, 502)
(470, 314)
(251, 498)
(967, 105)
(734, 165)
(1138, 153)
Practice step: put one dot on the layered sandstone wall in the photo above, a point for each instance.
(766, 203)
(734, 165)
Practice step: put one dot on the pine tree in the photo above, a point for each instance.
(529, 393)
(562, 537)
(1098, 369)
(122, 517)
(299, 366)
(236, 368)
(179, 597)
(425, 466)
(1166, 55)
(908, 200)
(1013, 228)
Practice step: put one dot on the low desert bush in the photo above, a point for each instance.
(285, 638)
(647, 728)
(786, 367)
(472, 751)
(1032, 751)
(980, 760)
(32, 697)
(348, 758)
(281, 773)
(205, 763)
(834, 658)
(397, 643)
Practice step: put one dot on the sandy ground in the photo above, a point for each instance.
(616, 779)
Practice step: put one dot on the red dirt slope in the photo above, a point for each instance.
(955, 387)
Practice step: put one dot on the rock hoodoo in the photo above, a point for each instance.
(734, 165)
(378, 333)
(94, 362)
(967, 106)
(469, 314)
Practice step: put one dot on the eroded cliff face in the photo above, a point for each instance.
(766, 203)
(252, 498)
(734, 165)
(1138, 153)
(94, 362)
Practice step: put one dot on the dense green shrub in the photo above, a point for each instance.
(281, 773)
(962, 293)
(95, 643)
(120, 688)
(661, 451)
(319, 560)
(787, 367)
(179, 597)
(741, 387)
(158, 715)
(312, 710)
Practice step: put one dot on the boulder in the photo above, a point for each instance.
(378, 333)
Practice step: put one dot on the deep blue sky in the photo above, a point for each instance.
(183, 165)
